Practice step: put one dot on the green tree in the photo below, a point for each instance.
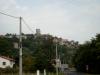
(88, 54)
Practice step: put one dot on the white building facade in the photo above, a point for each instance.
(6, 62)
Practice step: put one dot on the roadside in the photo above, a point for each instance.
(73, 72)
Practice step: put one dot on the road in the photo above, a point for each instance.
(73, 73)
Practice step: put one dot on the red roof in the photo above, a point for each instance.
(7, 58)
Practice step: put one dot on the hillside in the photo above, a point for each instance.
(38, 50)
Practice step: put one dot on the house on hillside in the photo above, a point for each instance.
(6, 62)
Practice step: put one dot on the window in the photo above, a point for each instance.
(4, 63)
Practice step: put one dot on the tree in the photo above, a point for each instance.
(88, 54)
(5, 46)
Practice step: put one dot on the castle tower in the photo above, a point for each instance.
(38, 32)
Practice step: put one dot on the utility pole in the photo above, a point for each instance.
(56, 59)
(20, 46)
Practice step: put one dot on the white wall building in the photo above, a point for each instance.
(6, 62)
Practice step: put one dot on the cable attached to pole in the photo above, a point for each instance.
(9, 15)
(27, 25)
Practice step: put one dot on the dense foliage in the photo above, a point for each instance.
(87, 57)
(38, 51)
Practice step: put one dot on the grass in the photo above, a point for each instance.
(17, 74)
(29, 74)
(40, 74)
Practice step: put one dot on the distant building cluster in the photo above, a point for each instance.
(70, 44)
(61, 41)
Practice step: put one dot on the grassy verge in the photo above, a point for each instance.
(30, 74)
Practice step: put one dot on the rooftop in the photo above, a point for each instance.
(7, 58)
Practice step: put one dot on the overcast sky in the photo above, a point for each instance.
(77, 20)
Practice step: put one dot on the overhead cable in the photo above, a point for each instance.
(27, 25)
(9, 15)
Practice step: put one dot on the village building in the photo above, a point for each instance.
(6, 62)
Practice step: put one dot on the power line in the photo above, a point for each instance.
(27, 25)
(8, 15)
(18, 18)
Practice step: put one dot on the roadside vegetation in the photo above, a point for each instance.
(87, 57)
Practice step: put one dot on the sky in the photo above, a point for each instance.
(77, 20)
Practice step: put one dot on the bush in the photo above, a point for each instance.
(8, 70)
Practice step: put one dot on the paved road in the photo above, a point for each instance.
(73, 73)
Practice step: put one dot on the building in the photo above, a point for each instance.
(38, 32)
(6, 62)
